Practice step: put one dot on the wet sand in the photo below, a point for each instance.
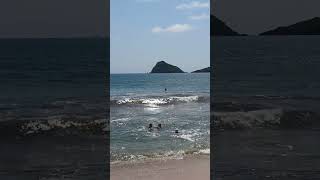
(189, 168)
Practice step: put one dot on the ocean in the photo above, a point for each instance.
(269, 76)
(52, 79)
(138, 100)
(53, 108)
(265, 107)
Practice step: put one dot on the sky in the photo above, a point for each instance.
(144, 32)
(256, 16)
(54, 18)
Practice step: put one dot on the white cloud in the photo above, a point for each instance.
(193, 5)
(199, 17)
(173, 28)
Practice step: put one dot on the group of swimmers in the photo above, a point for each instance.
(159, 127)
(150, 128)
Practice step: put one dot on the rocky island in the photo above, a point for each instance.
(307, 27)
(204, 70)
(163, 67)
(219, 28)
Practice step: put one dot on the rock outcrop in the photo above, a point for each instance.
(219, 28)
(204, 70)
(163, 67)
(307, 27)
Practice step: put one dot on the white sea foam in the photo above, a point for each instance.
(248, 119)
(204, 151)
(120, 120)
(55, 122)
(188, 135)
(125, 101)
(167, 155)
(186, 98)
(157, 101)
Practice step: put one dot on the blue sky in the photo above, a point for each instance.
(146, 31)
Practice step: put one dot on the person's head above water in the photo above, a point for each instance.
(150, 125)
(159, 125)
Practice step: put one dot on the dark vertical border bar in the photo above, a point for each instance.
(211, 99)
(108, 92)
(35, 66)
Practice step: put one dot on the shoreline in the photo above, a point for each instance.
(188, 168)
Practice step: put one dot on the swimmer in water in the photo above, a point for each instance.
(165, 89)
(150, 128)
(159, 126)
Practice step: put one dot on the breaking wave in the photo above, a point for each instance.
(266, 118)
(179, 154)
(165, 100)
(54, 127)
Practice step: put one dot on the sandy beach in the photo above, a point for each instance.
(189, 168)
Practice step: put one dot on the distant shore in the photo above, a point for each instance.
(188, 168)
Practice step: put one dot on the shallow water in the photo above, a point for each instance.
(138, 100)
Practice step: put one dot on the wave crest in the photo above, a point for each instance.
(266, 118)
(54, 127)
(65, 127)
(159, 100)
